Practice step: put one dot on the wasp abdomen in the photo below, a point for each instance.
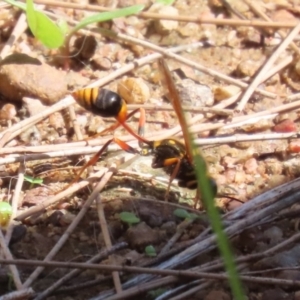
(101, 102)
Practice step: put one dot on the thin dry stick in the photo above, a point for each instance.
(9, 136)
(69, 230)
(257, 80)
(281, 65)
(218, 264)
(213, 266)
(258, 202)
(54, 154)
(42, 149)
(183, 60)
(84, 285)
(78, 132)
(223, 104)
(75, 123)
(169, 54)
(210, 126)
(197, 287)
(22, 294)
(107, 240)
(243, 227)
(15, 130)
(154, 271)
(141, 62)
(239, 120)
(15, 201)
(75, 272)
(13, 269)
(187, 294)
(177, 129)
(5, 135)
(19, 28)
(180, 229)
(53, 200)
(217, 111)
(260, 13)
(148, 15)
(209, 243)
(245, 138)
(144, 287)
(293, 97)
(167, 133)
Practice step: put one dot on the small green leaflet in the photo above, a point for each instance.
(165, 2)
(150, 251)
(5, 213)
(33, 180)
(43, 28)
(181, 213)
(129, 217)
(106, 16)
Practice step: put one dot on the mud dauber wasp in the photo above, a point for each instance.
(170, 154)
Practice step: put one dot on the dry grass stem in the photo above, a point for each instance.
(181, 18)
(15, 201)
(19, 28)
(13, 268)
(106, 237)
(69, 230)
(257, 80)
(100, 256)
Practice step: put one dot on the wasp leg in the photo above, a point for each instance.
(168, 162)
(141, 129)
(117, 124)
(113, 126)
(197, 202)
(122, 122)
(124, 146)
(96, 157)
(90, 163)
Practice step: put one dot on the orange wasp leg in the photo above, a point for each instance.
(90, 163)
(124, 146)
(121, 144)
(117, 124)
(122, 118)
(96, 157)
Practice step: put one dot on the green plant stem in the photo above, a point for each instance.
(216, 223)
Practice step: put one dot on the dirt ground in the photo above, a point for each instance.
(238, 78)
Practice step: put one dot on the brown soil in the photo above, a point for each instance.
(253, 158)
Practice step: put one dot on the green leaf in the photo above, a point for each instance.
(106, 16)
(33, 180)
(165, 2)
(31, 17)
(150, 251)
(5, 213)
(63, 25)
(129, 217)
(43, 28)
(181, 213)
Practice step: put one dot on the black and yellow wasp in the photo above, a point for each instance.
(170, 154)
